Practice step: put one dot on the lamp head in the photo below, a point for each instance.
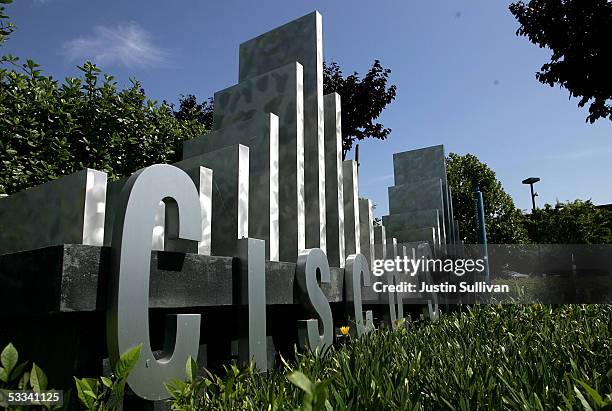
(531, 180)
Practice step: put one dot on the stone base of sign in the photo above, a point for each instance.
(53, 301)
(72, 278)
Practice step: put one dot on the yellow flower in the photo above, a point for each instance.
(345, 330)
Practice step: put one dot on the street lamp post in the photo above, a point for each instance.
(531, 181)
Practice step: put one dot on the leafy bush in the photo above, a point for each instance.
(15, 376)
(487, 357)
(106, 393)
(48, 129)
(572, 222)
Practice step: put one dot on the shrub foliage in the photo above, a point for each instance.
(573, 222)
(49, 129)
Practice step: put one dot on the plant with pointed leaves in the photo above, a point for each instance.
(16, 376)
(315, 393)
(185, 394)
(106, 393)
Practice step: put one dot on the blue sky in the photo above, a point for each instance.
(464, 78)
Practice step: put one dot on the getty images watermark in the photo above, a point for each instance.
(416, 268)
(501, 273)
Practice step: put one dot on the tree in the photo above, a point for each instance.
(362, 101)
(190, 109)
(6, 27)
(578, 33)
(504, 222)
(575, 222)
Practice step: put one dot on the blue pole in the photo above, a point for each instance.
(482, 229)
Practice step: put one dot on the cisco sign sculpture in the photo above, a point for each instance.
(261, 213)
(128, 303)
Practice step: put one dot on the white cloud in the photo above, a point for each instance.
(125, 44)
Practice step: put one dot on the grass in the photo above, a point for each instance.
(488, 357)
(593, 289)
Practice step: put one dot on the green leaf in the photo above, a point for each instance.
(321, 388)
(80, 387)
(127, 362)
(583, 400)
(592, 393)
(92, 383)
(3, 375)
(448, 404)
(107, 381)
(38, 379)
(9, 358)
(192, 369)
(83, 386)
(24, 381)
(175, 388)
(301, 381)
(17, 371)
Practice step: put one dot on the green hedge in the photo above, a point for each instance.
(49, 129)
